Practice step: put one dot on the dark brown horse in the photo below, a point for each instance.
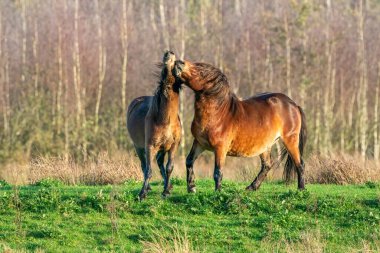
(230, 126)
(155, 127)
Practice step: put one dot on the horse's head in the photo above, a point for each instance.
(188, 74)
(198, 76)
(167, 77)
(169, 60)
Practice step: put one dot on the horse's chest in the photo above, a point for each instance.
(203, 135)
(165, 137)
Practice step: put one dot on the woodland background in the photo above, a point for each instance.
(68, 69)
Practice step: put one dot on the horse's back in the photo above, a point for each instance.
(137, 111)
(271, 98)
(280, 106)
(260, 120)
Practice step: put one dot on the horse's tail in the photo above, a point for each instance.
(290, 166)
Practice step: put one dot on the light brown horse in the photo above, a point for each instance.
(230, 126)
(155, 127)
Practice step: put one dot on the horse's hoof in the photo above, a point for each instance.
(251, 188)
(165, 193)
(192, 190)
(142, 196)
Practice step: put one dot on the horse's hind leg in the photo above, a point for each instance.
(150, 155)
(265, 168)
(291, 144)
(141, 154)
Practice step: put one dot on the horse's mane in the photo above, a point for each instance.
(162, 91)
(220, 89)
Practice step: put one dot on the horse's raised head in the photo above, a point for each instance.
(169, 59)
(167, 77)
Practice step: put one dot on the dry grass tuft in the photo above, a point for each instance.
(6, 249)
(311, 241)
(105, 170)
(341, 169)
(177, 243)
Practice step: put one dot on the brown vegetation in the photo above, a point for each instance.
(116, 169)
(103, 170)
(341, 169)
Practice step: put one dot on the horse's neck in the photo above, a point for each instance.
(213, 108)
(169, 106)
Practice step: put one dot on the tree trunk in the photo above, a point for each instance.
(329, 96)
(76, 67)
(203, 29)
(342, 116)
(376, 139)
(249, 62)
(124, 40)
(182, 56)
(3, 61)
(60, 79)
(164, 26)
(220, 32)
(363, 84)
(35, 55)
(24, 33)
(101, 65)
(288, 55)
(317, 122)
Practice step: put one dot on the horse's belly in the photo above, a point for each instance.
(245, 152)
(247, 147)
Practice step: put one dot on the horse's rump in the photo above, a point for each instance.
(141, 103)
(137, 111)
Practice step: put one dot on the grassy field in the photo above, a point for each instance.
(53, 217)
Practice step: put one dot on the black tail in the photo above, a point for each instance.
(290, 167)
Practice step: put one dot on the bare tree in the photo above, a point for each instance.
(124, 41)
(24, 34)
(102, 65)
(77, 66)
(165, 31)
(363, 111)
(35, 56)
(376, 137)
(288, 55)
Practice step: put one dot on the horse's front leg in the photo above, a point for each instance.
(169, 169)
(150, 154)
(195, 151)
(220, 157)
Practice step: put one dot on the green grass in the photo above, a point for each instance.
(56, 218)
